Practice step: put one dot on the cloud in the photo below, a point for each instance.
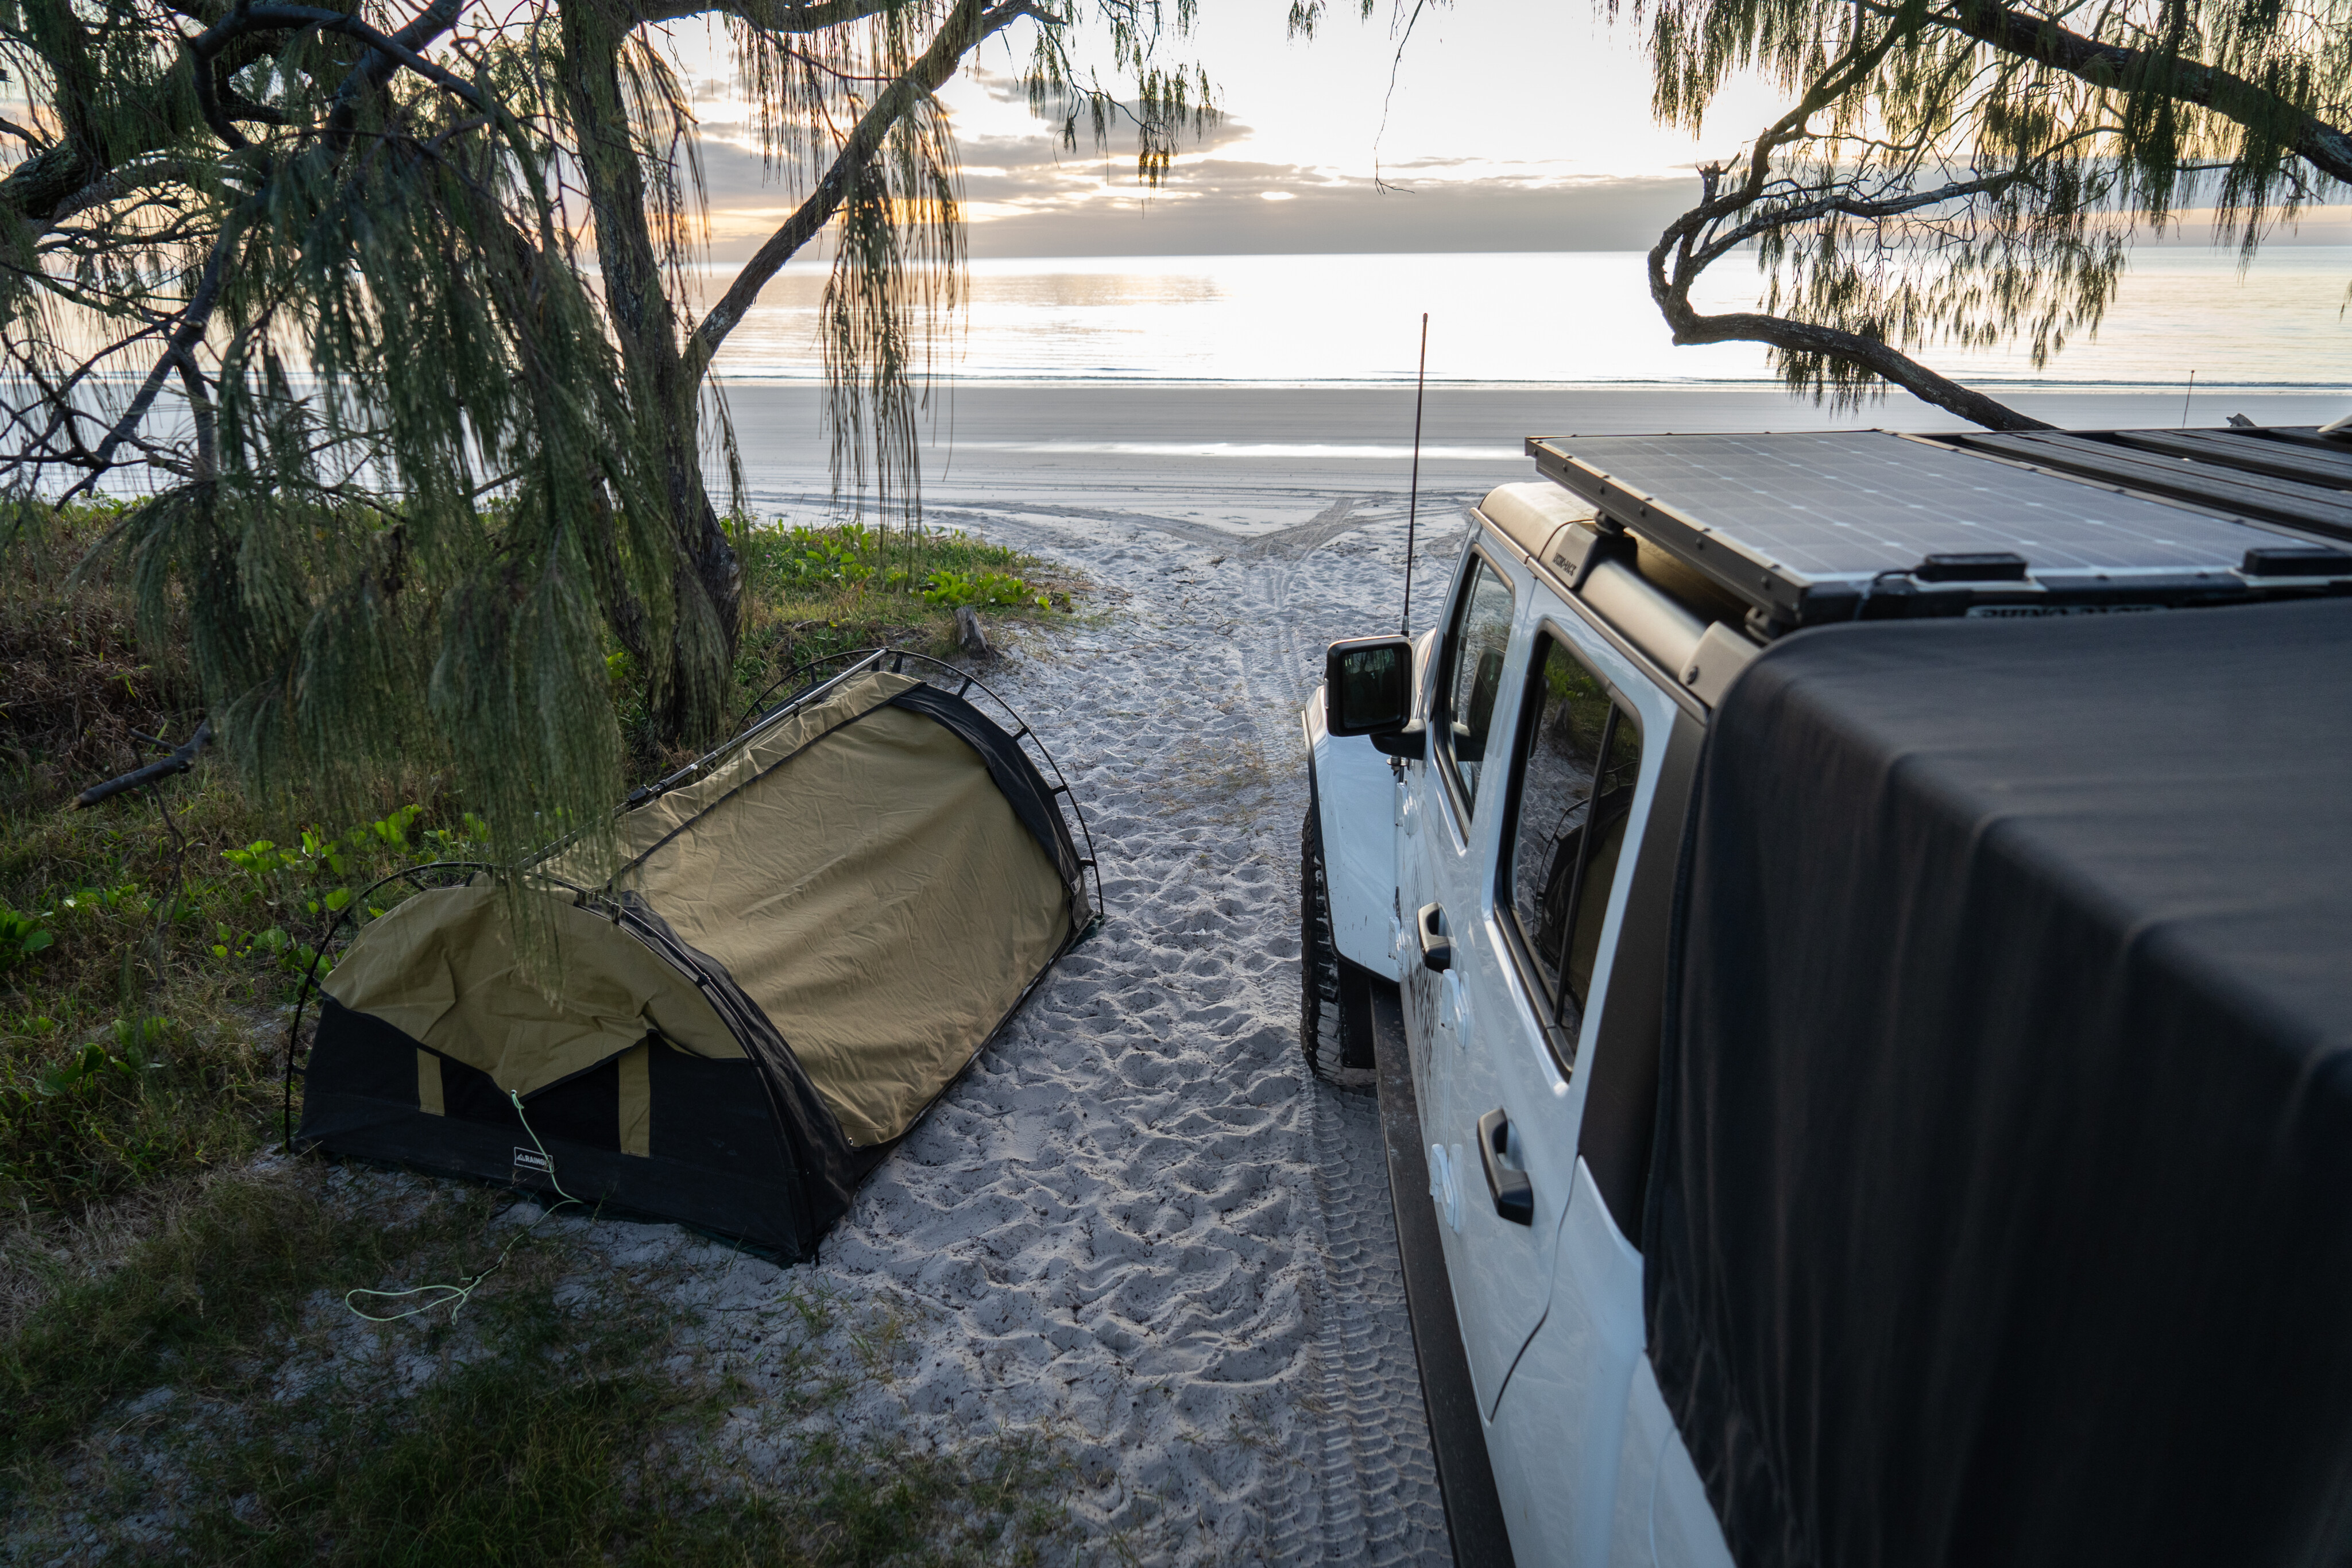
(1025, 197)
(1228, 212)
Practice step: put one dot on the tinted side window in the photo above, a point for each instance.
(1472, 676)
(1583, 758)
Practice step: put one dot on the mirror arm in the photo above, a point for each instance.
(1411, 744)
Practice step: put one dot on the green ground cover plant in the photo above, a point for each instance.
(148, 949)
(149, 946)
(212, 1399)
(813, 589)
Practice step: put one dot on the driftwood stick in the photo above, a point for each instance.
(183, 757)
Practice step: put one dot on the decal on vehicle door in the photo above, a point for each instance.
(1445, 1190)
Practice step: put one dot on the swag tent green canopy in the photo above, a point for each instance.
(815, 929)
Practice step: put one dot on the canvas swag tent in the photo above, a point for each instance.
(814, 930)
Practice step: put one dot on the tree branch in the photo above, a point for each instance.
(376, 68)
(1678, 248)
(202, 410)
(118, 183)
(185, 337)
(2326, 147)
(967, 26)
(1873, 355)
(1671, 292)
(770, 15)
(269, 18)
(1849, 206)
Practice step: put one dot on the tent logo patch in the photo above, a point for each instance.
(530, 1160)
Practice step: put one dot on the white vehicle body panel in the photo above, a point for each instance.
(1355, 789)
(1565, 1400)
(1660, 1496)
(1562, 1413)
(1588, 1466)
(1479, 1046)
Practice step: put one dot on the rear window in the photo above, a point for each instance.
(1573, 794)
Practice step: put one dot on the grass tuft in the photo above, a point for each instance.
(213, 1400)
(813, 591)
(194, 1300)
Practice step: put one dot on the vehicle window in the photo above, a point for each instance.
(1575, 789)
(1472, 676)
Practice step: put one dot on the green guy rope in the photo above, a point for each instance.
(455, 1296)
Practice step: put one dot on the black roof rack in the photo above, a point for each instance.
(1808, 529)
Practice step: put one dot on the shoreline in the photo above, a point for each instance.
(1236, 460)
(1599, 386)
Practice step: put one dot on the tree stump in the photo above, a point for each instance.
(970, 635)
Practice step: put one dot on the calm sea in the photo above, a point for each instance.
(1572, 319)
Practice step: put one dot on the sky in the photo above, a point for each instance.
(1500, 125)
(1511, 125)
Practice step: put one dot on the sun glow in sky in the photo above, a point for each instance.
(1506, 124)
(1500, 125)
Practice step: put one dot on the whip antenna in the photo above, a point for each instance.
(1412, 506)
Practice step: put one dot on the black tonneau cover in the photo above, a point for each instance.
(2002, 1204)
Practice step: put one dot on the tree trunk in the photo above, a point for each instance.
(691, 696)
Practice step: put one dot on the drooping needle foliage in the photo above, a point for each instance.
(1969, 173)
(386, 314)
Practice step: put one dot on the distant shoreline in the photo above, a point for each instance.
(1758, 385)
(1541, 319)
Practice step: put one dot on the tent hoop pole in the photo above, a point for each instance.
(310, 982)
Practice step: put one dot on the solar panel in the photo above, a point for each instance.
(2318, 507)
(2253, 453)
(1791, 522)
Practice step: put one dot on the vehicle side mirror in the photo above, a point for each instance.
(1368, 686)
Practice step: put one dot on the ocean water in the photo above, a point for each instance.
(1569, 318)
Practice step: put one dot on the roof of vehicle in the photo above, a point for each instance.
(1808, 529)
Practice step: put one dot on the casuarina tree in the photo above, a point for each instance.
(386, 317)
(1964, 174)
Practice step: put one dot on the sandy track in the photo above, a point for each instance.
(1136, 1223)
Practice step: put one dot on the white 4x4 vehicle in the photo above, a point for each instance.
(1499, 856)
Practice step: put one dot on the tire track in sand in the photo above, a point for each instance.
(1137, 1226)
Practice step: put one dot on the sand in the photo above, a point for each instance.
(1185, 451)
(1136, 1223)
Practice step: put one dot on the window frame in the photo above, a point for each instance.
(1440, 721)
(1550, 1003)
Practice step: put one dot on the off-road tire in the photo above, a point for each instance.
(1335, 999)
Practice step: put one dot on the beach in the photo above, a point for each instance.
(1137, 1222)
(1244, 456)
(1136, 1239)
(1136, 1234)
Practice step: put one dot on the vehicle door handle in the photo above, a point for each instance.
(1437, 947)
(1514, 1193)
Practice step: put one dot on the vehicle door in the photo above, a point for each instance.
(1424, 844)
(1500, 1167)
(1598, 794)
